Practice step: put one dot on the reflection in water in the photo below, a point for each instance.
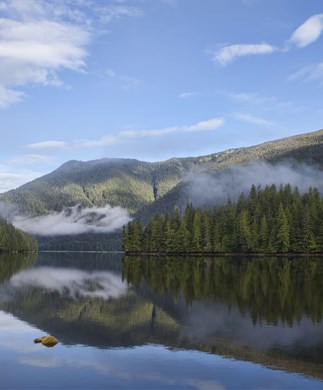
(71, 282)
(266, 310)
(13, 262)
(271, 289)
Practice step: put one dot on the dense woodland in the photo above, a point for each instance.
(82, 242)
(269, 220)
(13, 239)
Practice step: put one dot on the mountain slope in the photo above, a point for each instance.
(143, 187)
(130, 184)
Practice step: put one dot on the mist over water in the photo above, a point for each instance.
(207, 189)
(74, 220)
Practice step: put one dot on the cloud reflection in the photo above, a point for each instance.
(72, 283)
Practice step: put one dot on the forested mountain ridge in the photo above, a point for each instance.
(128, 183)
(143, 187)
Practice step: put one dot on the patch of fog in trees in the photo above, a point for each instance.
(74, 220)
(204, 189)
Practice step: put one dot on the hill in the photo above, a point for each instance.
(144, 188)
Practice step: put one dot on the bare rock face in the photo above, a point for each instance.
(48, 341)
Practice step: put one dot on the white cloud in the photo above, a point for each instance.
(40, 38)
(74, 220)
(32, 52)
(255, 120)
(126, 135)
(48, 145)
(229, 53)
(308, 32)
(210, 124)
(304, 35)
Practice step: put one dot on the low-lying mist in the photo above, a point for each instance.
(74, 220)
(207, 189)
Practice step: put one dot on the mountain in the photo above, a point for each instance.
(144, 188)
(128, 183)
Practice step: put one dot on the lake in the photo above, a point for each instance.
(160, 323)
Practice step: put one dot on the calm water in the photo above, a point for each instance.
(170, 323)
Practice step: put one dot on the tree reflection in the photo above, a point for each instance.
(11, 263)
(270, 288)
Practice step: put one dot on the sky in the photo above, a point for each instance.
(153, 79)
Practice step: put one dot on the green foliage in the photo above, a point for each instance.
(13, 239)
(82, 242)
(268, 221)
(117, 182)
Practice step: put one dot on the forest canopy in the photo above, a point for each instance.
(13, 239)
(268, 220)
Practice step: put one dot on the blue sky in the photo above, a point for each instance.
(153, 79)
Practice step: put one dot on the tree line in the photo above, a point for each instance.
(13, 239)
(267, 220)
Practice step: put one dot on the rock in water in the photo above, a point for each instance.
(48, 341)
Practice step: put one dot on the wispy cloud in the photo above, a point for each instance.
(229, 53)
(185, 95)
(126, 81)
(118, 11)
(30, 159)
(9, 96)
(48, 145)
(308, 32)
(265, 103)
(255, 120)
(126, 135)
(309, 73)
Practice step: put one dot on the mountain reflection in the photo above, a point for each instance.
(266, 310)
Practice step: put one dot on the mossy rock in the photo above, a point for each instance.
(48, 341)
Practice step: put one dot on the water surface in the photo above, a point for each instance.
(181, 323)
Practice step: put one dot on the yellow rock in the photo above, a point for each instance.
(48, 341)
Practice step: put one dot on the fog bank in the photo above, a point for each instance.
(74, 220)
(205, 189)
